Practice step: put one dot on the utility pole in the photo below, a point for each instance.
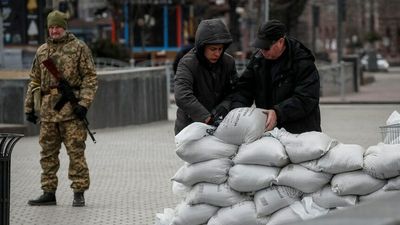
(315, 24)
(266, 10)
(340, 18)
(1, 40)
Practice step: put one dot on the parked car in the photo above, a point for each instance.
(377, 62)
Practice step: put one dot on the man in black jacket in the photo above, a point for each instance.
(205, 77)
(282, 78)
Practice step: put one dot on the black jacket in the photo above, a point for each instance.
(290, 85)
(200, 86)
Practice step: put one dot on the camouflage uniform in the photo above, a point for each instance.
(73, 59)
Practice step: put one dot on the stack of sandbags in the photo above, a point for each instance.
(237, 174)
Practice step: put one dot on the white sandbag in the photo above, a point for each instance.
(284, 216)
(307, 209)
(392, 184)
(355, 183)
(311, 165)
(272, 199)
(339, 159)
(204, 149)
(193, 214)
(382, 161)
(379, 194)
(248, 178)
(180, 190)
(213, 194)
(327, 199)
(164, 218)
(243, 213)
(242, 125)
(306, 146)
(394, 118)
(302, 179)
(267, 151)
(213, 171)
(192, 132)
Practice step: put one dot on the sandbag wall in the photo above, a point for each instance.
(236, 174)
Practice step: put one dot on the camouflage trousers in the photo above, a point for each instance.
(73, 134)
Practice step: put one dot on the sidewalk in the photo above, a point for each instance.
(384, 90)
(131, 166)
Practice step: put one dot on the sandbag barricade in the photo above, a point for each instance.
(248, 176)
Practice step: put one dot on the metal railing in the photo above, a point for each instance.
(7, 143)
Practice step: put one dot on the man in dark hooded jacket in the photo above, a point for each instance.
(205, 77)
(282, 78)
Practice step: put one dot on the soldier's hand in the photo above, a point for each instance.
(31, 117)
(80, 111)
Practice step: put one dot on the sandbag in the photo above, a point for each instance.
(243, 213)
(242, 125)
(192, 132)
(284, 216)
(306, 146)
(379, 194)
(327, 199)
(382, 161)
(307, 209)
(267, 151)
(193, 214)
(204, 149)
(355, 183)
(180, 190)
(213, 194)
(302, 179)
(249, 178)
(339, 159)
(272, 199)
(392, 184)
(213, 171)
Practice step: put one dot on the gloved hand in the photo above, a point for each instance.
(218, 114)
(31, 117)
(80, 111)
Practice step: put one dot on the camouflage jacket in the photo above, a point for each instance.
(73, 59)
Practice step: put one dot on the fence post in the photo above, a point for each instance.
(342, 81)
(7, 142)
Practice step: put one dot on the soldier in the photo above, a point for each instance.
(65, 124)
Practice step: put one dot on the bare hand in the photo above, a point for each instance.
(272, 119)
(207, 120)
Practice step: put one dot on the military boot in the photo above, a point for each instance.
(79, 199)
(47, 198)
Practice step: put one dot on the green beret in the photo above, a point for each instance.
(57, 18)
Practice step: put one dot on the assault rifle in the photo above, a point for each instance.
(67, 95)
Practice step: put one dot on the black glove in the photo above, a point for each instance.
(31, 117)
(218, 114)
(80, 111)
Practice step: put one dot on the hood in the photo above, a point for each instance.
(212, 31)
